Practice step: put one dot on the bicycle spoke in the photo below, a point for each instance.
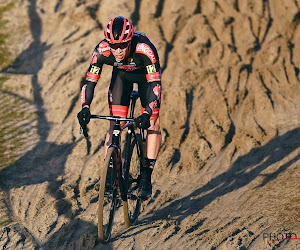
(108, 199)
(134, 162)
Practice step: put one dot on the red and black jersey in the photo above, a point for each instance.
(142, 57)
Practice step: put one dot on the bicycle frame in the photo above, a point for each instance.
(122, 178)
(118, 128)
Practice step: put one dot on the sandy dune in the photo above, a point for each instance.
(226, 177)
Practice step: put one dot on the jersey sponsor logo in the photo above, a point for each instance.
(95, 70)
(118, 64)
(92, 77)
(104, 49)
(127, 67)
(118, 110)
(151, 69)
(153, 77)
(131, 62)
(145, 49)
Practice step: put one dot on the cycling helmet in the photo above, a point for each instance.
(118, 30)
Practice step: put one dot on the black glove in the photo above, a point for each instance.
(143, 121)
(84, 117)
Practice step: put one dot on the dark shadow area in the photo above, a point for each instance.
(169, 48)
(236, 5)
(229, 136)
(291, 47)
(92, 10)
(46, 161)
(175, 158)
(75, 99)
(144, 224)
(77, 234)
(30, 61)
(243, 171)
(189, 97)
(135, 17)
(58, 5)
(159, 8)
(198, 9)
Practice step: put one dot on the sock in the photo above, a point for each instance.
(150, 163)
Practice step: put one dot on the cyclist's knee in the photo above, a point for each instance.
(154, 124)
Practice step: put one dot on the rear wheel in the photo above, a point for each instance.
(134, 163)
(107, 198)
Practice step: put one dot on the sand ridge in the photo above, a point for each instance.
(226, 176)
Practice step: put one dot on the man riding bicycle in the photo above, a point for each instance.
(135, 60)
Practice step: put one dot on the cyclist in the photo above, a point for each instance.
(135, 60)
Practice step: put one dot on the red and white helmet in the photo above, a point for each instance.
(118, 30)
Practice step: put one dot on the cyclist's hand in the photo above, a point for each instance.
(84, 117)
(143, 121)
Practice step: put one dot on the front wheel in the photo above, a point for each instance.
(134, 162)
(108, 195)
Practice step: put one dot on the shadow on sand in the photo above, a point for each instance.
(243, 171)
(46, 161)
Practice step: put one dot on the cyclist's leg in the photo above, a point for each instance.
(118, 99)
(153, 132)
(153, 139)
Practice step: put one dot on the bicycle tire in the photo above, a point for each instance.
(107, 200)
(132, 206)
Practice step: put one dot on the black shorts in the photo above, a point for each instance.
(120, 89)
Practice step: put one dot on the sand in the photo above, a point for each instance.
(227, 176)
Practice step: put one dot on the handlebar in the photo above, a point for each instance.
(129, 121)
(113, 118)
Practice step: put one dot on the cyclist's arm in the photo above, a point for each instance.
(93, 73)
(87, 92)
(153, 75)
(154, 80)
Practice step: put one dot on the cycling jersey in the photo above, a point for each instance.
(140, 66)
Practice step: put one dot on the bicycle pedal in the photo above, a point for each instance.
(132, 197)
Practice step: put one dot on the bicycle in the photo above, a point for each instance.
(124, 175)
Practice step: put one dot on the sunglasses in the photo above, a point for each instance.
(119, 45)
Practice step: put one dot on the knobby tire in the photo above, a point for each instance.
(132, 206)
(107, 200)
